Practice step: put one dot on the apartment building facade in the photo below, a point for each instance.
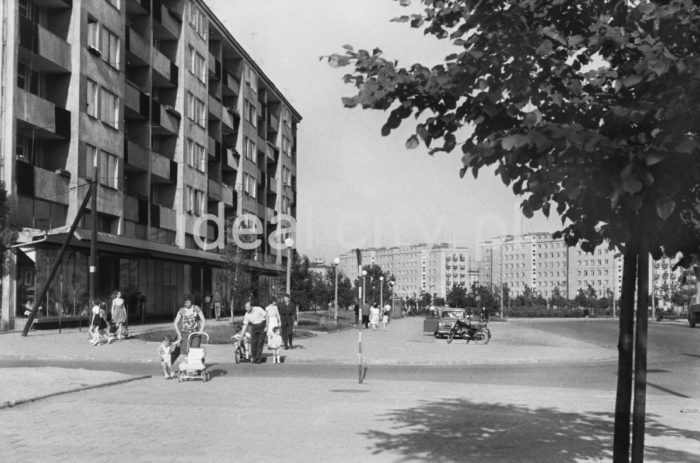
(178, 120)
(417, 269)
(543, 264)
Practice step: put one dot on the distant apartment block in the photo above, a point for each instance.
(538, 261)
(417, 268)
(180, 121)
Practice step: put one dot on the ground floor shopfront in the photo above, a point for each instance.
(151, 283)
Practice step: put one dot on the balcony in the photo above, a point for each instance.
(273, 123)
(138, 49)
(232, 86)
(165, 119)
(166, 26)
(138, 7)
(51, 186)
(164, 71)
(272, 185)
(136, 103)
(50, 121)
(168, 218)
(214, 67)
(231, 159)
(215, 107)
(131, 208)
(215, 190)
(136, 155)
(160, 168)
(227, 195)
(46, 51)
(228, 120)
(269, 214)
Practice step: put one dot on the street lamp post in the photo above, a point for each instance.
(289, 242)
(381, 291)
(364, 286)
(336, 261)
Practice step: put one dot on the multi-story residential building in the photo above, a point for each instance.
(179, 120)
(538, 261)
(417, 269)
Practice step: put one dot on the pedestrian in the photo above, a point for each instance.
(255, 318)
(365, 315)
(119, 316)
(288, 314)
(208, 307)
(386, 315)
(274, 343)
(192, 319)
(216, 300)
(165, 352)
(374, 316)
(356, 307)
(98, 324)
(272, 318)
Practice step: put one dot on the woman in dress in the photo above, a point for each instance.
(119, 317)
(192, 319)
(272, 318)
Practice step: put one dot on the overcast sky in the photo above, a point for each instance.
(355, 187)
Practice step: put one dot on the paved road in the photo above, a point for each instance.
(309, 409)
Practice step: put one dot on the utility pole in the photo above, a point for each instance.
(500, 282)
(93, 235)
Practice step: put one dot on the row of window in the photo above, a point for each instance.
(104, 42)
(249, 150)
(102, 104)
(198, 21)
(250, 113)
(250, 185)
(108, 165)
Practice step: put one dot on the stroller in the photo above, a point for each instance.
(240, 352)
(193, 366)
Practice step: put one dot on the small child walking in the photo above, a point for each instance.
(274, 343)
(165, 351)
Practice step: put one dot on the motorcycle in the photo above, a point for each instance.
(471, 331)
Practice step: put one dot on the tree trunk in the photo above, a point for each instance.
(623, 400)
(640, 354)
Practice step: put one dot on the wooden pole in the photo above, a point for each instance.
(52, 272)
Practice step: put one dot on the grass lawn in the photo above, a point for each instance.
(320, 320)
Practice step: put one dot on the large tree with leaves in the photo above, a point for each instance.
(591, 107)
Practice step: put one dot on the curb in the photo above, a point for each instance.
(15, 403)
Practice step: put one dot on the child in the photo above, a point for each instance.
(165, 351)
(98, 324)
(274, 343)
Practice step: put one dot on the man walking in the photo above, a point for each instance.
(288, 313)
(255, 317)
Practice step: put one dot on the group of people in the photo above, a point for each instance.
(373, 314)
(275, 323)
(112, 328)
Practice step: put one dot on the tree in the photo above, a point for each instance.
(372, 279)
(556, 300)
(457, 296)
(301, 282)
(440, 301)
(8, 232)
(589, 106)
(236, 272)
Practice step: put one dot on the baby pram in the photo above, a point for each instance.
(193, 366)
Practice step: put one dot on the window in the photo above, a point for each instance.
(90, 153)
(109, 170)
(197, 21)
(110, 47)
(285, 146)
(196, 111)
(249, 149)
(29, 10)
(286, 176)
(249, 185)
(286, 117)
(250, 111)
(109, 108)
(197, 65)
(199, 202)
(93, 34)
(251, 79)
(189, 199)
(24, 148)
(195, 155)
(92, 98)
(27, 79)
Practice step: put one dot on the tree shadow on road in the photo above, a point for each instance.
(461, 430)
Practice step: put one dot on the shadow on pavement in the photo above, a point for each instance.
(215, 373)
(461, 430)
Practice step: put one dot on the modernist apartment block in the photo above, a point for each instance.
(418, 269)
(538, 261)
(180, 121)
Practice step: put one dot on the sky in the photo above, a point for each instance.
(356, 188)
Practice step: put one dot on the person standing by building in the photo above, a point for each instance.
(119, 316)
(288, 314)
(255, 318)
(365, 314)
(216, 300)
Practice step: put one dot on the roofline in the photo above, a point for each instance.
(249, 59)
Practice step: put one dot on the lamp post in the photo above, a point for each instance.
(336, 261)
(289, 242)
(381, 291)
(364, 286)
